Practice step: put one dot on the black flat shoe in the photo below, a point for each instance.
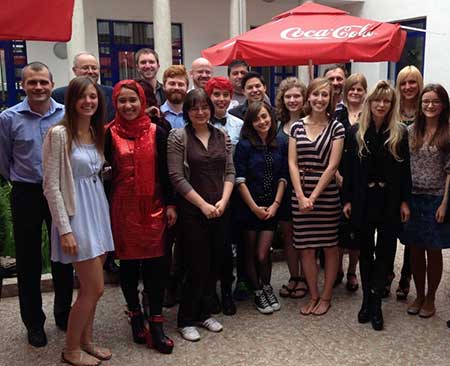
(364, 315)
(37, 337)
(228, 305)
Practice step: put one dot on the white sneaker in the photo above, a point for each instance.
(190, 333)
(212, 325)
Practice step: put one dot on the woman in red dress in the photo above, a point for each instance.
(140, 208)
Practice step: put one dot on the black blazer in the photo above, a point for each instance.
(398, 180)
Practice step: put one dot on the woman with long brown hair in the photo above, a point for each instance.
(261, 178)
(289, 103)
(425, 233)
(81, 234)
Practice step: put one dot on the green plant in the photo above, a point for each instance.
(7, 246)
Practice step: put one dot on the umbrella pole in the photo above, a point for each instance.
(310, 70)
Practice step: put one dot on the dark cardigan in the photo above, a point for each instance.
(397, 174)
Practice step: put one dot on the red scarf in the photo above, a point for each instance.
(143, 132)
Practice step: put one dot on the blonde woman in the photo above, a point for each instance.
(355, 90)
(377, 184)
(408, 86)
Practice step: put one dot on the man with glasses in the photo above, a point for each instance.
(85, 63)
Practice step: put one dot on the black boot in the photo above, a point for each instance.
(157, 339)
(364, 312)
(228, 306)
(137, 326)
(376, 313)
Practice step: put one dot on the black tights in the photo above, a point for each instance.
(258, 257)
(154, 275)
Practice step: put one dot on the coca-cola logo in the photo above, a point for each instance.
(342, 32)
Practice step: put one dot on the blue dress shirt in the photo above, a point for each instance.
(175, 119)
(22, 133)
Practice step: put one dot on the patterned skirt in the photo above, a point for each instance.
(317, 228)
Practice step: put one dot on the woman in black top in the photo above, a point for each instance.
(377, 184)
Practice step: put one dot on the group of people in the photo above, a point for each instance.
(170, 179)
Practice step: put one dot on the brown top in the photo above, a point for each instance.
(191, 166)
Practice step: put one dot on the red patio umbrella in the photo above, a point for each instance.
(43, 20)
(312, 33)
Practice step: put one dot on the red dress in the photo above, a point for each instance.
(138, 221)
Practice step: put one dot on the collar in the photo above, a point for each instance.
(166, 108)
(24, 106)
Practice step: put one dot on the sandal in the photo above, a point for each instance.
(285, 290)
(327, 307)
(352, 286)
(403, 288)
(83, 359)
(102, 353)
(299, 292)
(309, 307)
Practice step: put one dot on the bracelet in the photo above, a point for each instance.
(277, 202)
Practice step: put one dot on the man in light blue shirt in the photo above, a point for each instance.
(175, 82)
(22, 131)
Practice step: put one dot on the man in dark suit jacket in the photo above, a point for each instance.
(85, 63)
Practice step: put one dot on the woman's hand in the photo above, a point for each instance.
(221, 206)
(209, 211)
(171, 215)
(347, 210)
(153, 111)
(272, 210)
(339, 180)
(260, 212)
(305, 204)
(405, 213)
(68, 244)
(440, 213)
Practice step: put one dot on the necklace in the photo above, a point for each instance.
(408, 116)
(92, 161)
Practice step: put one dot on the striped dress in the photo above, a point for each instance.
(319, 227)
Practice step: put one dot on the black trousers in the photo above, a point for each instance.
(375, 256)
(226, 268)
(201, 246)
(29, 211)
(154, 275)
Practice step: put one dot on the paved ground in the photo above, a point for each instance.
(250, 339)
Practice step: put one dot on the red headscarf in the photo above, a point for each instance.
(143, 132)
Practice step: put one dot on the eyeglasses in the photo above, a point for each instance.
(433, 102)
(201, 108)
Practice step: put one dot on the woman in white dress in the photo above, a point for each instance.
(81, 232)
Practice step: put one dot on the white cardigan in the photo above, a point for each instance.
(59, 186)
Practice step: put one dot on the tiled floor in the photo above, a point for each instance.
(250, 339)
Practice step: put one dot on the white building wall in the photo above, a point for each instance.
(205, 23)
(437, 46)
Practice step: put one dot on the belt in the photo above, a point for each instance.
(308, 170)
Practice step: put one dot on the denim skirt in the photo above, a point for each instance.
(422, 229)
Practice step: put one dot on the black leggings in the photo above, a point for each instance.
(154, 276)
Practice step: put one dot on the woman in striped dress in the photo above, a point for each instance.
(315, 148)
